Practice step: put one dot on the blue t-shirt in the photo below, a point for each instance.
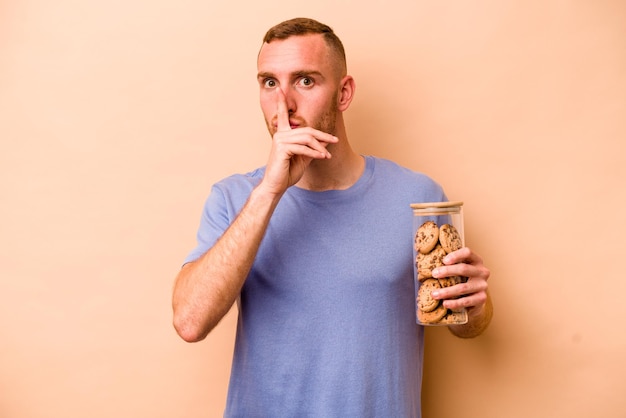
(326, 323)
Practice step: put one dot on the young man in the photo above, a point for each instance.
(316, 248)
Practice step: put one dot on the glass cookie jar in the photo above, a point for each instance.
(437, 231)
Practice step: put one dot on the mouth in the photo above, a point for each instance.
(292, 125)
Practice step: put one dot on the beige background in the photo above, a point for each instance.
(117, 116)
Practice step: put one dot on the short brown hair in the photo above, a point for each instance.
(305, 26)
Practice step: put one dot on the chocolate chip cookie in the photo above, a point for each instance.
(426, 237)
(425, 301)
(449, 238)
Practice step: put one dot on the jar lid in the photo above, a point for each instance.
(435, 205)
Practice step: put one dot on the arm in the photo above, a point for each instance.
(472, 295)
(205, 289)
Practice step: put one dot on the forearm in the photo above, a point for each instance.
(479, 320)
(206, 289)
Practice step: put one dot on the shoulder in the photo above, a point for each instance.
(230, 193)
(241, 182)
(394, 172)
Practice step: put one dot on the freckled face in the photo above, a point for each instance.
(302, 67)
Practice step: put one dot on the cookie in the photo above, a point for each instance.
(426, 237)
(453, 317)
(451, 281)
(425, 301)
(449, 238)
(432, 317)
(426, 263)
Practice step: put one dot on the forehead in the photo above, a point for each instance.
(296, 53)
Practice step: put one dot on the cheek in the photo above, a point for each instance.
(268, 108)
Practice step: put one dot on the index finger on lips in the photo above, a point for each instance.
(282, 112)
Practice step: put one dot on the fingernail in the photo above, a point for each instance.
(435, 273)
(435, 294)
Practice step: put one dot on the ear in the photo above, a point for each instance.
(346, 93)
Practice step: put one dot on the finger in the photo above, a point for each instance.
(468, 301)
(474, 290)
(282, 112)
(302, 145)
(294, 142)
(462, 269)
(315, 138)
(461, 255)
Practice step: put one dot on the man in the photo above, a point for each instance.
(316, 248)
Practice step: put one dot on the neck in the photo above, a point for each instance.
(338, 173)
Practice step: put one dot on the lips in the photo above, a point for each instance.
(292, 124)
(296, 123)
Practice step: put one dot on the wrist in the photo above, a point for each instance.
(265, 195)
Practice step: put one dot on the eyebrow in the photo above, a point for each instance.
(301, 73)
(264, 75)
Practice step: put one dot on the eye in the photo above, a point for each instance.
(306, 81)
(269, 83)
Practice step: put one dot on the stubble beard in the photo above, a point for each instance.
(326, 123)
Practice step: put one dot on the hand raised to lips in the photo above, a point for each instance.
(292, 149)
(309, 137)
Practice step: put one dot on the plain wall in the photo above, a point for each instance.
(117, 116)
